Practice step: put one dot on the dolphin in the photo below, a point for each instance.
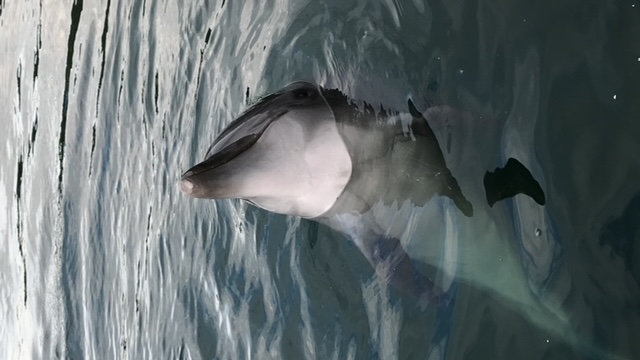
(370, 173)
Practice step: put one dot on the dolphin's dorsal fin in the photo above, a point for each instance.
(511, 180)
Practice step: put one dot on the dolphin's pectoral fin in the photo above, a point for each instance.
(448, 185)
(393, 265)
(412, 109)
(510, 181)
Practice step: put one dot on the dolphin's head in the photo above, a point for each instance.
(284, 154)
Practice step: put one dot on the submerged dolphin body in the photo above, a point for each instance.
(312, 152)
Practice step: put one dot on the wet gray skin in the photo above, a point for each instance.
(312, 152)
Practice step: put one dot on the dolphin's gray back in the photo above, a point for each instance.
(395, 157)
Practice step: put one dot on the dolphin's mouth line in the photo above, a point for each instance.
(227, 154)
(232, 150)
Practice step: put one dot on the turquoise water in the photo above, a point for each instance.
(106, 103)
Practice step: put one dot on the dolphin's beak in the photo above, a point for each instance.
(189, 185)
(213, 178)
(203, 181)
(193, 181)
(206, 180)
(237, 165)
(186, 186)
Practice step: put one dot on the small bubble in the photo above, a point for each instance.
(461, 71)
(615, 97)
(538, 232)
(500, 259)
(547, 341)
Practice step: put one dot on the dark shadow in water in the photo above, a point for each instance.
(511, 180)
(623, 236)
(103, 44)
(198, 77)
(34, 131)
(19, 225)
(76, 12)
(19, 82)
(36, 54)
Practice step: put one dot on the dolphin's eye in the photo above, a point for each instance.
(302, 93)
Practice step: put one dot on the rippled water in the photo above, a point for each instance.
(106, 103)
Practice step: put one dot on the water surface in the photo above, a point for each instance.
(106, 103)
